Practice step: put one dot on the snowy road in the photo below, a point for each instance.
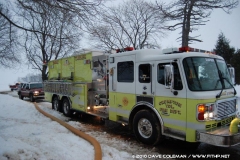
(118, 143)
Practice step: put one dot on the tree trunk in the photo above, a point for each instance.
(44, 74)
(186, 23)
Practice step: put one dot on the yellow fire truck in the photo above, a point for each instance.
(184, 93)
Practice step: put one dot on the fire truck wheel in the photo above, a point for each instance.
(146, 127)
(55, 104)
(66, 108)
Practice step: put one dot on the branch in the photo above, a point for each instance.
(193, 39)
(23, 28)
(14, 24)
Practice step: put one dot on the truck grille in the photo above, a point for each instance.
(225, 108)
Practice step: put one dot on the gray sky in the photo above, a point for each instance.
(219, 22)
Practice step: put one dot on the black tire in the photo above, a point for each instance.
(56, 104)
(146, 127)
(66, 107)
(20, 96)
(32, 98)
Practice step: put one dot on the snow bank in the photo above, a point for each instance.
(27, 134)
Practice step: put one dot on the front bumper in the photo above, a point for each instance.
(38, 96)
(219, 137)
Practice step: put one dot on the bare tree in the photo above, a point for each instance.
(57, 35)
(132, 23)
(52, 27)
(82, 9)
(192, 13)
(8, 42)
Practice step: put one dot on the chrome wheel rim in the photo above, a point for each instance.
(145, 128)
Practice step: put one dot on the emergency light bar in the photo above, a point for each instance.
(124, 49)
(189, 49)
(184, 49)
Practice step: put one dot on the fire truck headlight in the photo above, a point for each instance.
(205, 115)
(205, 111)
(210, 115)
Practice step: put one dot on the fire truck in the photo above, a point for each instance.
(183, 93)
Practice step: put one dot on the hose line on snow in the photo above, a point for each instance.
(93, 141)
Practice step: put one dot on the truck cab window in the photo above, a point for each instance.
(203, 74)
(177, 78)
(125, 71)
(144, 73)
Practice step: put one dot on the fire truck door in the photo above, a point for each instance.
(122, 79)
(122, 82)
(144, 85)
(171, 103)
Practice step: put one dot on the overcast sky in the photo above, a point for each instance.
(219, 22)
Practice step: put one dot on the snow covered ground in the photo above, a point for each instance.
(26, 134)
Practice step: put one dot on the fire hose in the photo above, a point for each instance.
(93, 141)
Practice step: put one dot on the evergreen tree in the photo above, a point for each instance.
(235, 63)
(223, 48)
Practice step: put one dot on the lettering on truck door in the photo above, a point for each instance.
(171, 101)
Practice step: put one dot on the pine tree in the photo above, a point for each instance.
(223, 48)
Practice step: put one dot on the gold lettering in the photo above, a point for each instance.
(55, 62)
(175, 111)
(169, 106)
(163, 109)
(170, 102)
(80, 57)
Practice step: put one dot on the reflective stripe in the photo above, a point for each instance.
(174, 122)
(196, 126)
(119, 111)
(183, 124)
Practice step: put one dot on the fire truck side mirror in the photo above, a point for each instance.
(168, 75)
(232, 74)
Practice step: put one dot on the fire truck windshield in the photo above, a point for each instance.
(206, 74)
